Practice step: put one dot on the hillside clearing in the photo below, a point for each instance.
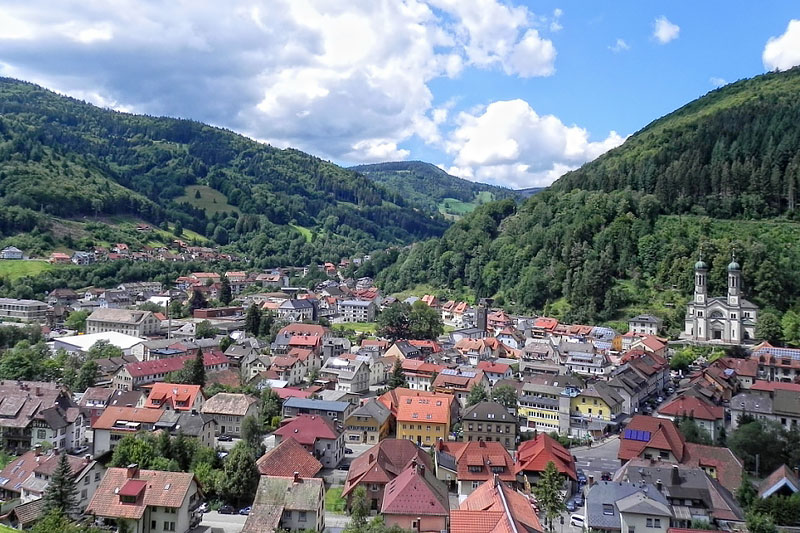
(211, 200)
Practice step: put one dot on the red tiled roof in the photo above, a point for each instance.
(416, 491)
(694, 407)
(383, 462)
(287, 458)
(533, 456)
(495, 507)
(172, 364)
(163, 489)
(771, 386)
(393, 398)
(495, 368)
(177, 396)
(727, 465)
(304, 329)
(433, 346)
(545, 323)
(486, 455)
(304, 340)
(421, 410)
(287, 392)
(306, 429)
(128, 414)
(664, 435)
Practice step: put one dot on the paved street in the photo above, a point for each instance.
(598, 458)
(213, 522)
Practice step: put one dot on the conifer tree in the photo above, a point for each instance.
(61, 495)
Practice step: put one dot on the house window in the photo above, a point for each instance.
(657, 522)
(41, 434)
(169, 526)
(474, 468)
(631, 529)
(84, 493)
(373, 487)
(663, 455)
(475, 484)
(608, 509)
(153, 525)
(302, 516)
(649, 522)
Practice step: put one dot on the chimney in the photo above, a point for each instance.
(55, 451)
(371, 458)
(297, 477)
(676, 475)
(132, 471)
(38, 391)
(659, 485)
(37, 450)
(591, 480)
(87, 458)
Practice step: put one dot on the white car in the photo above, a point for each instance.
(577, 520)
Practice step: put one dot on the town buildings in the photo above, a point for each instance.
(135, 323)
(287, 503)
(368, 424)
(23, 310)
(228, 410)
(423, 419)
(316, 434)
(490, 422)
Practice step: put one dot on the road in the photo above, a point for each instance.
(213, 522)
(599, 458)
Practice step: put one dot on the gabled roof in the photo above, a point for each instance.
(154, 488)
(692, 406)
(275, 495)
(494, 507)
(781, 478)
(287, 458)
(420, 410)
(383, 462)
(321, 405)
(492, 411)
(650, 432)
(373, 409)
(533, 456)
(173, 394)
(172, 364)
(416, 491)
(393, 398)
(306, 429)
(112, 415)
(228, 403)
(479, 454)
(729, 467)
(495, 368)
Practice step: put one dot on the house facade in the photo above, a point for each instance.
(135, 323)
(229, 410)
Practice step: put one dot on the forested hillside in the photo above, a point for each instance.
(732, 153)
(714, 176)
(428, 185)
(64, 159)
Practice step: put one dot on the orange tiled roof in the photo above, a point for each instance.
(533, 456)
(128, 414)
(152, 488)
(287, 458)
(495, 507)
(177, 396)
(421, 410)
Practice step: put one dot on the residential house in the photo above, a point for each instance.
(453, 313)
(630, 386)
(495, 371)
(296, 311)
(350, 375)
(645, 325)
(423, 420)
(459, 383)
(498, 320)
(33, 412)
(287, 503)
(651, 344)
(117, 423)
(81, 258)
(585, 360)
(86, 473)
(292, 370)
(403, 350)
(368, 424)
(777, 363)
(416, 500)
(94, 401)
(62, 296)
(316, 434)
(594, 409)
(176, 396)
(477, 350)
(534, 455)
(692, 494)
(495, 507)
(229, 410)
(626, 507)
(135, 323)
(357, 311)
(706, 415)
(287, 458)
(23, 310)
(490, 422)
(134, 375)
(778, 404)
(782, 482)
(420, 374)
(11, 252)
(148, 500)
(59, 258)
(650, 366)
(512, 338)
(192, 424)
(467, 465)
(376, 467)
(544, 404)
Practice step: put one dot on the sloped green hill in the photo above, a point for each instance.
(429, 185)
(733, 152)
(61, 158)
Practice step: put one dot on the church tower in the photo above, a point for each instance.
(700, 281)
(734, 281)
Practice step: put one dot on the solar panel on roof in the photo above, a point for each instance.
(468, 374)
(637, 434)
(449, 372)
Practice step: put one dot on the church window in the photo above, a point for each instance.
(733, 315)
(700, 314)
(717, 314)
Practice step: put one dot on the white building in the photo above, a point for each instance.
(23, 310)
(645, 325)
(138, 323)
(730, 320)
(357, 311)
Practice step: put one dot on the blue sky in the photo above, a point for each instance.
(512, 93)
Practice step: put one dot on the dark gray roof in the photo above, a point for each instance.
(375, 409)
(445, 460)
(786, 402)
(191, 425)
(751, 403)
(608, 493)
(488, 411)
(649, 319)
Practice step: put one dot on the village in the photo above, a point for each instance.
(425, 432)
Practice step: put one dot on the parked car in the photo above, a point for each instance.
(570, 505)
(577, 520)
(581, 476)
(203, 508)
(578, 499)
(343, 466)
(245, 510)
(225, 438)
(348, 451)
(660, 399)
(80, 451)
(227, 509)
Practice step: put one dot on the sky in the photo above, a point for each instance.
(508, 92)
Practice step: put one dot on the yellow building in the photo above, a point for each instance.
(424, 420)
(597, 401)
(369, 424)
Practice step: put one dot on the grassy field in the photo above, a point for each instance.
(457, 208)
(211, 200)
(18, 269)
(305, 232)
(334, 501)
(358, 327)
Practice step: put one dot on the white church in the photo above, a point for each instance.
(726, 320)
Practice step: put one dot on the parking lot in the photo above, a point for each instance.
(213, 522)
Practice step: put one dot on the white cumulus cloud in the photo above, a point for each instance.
(347, 81)
(508, 143)
(783, 52)
(717, 82)
(619, 46)
(665, 31)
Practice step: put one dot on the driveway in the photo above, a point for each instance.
(213, 522)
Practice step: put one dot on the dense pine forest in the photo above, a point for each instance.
(620, 235)
(62, 159)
